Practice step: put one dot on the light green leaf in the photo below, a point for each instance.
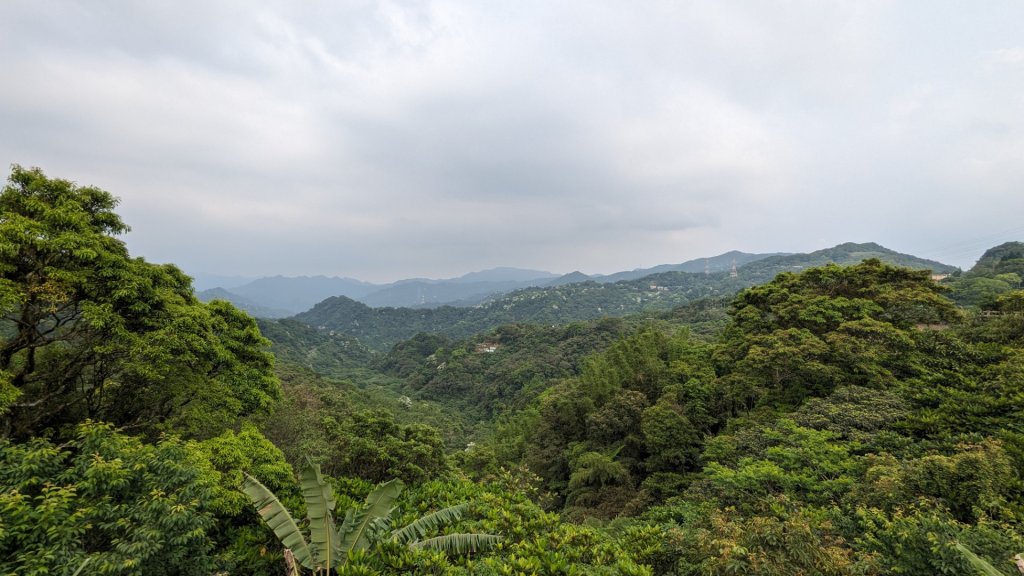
(976, 562)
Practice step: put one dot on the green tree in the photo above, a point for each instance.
(86, 331)
(853, 412)
(782, 541)
(803, 335)
(806, 466)
(975, 482)
(923, 539)
(671, 440)
(242, 542)
(128, 508)
(372, 446)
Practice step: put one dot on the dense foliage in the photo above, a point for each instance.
(833, 420)
(499, 370)
(998, 272)
(127, 507)
(91, 333)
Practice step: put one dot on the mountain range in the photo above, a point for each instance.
(280, 296)
(380, 328)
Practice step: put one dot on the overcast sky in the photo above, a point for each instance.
(383, 140)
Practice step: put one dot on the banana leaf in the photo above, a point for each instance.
(421, 526)
(359, 523)
(979, 564)
(459, 543)
(320, 503)
(279, 520)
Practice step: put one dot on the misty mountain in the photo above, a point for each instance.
(720, 263)
(570, 278)
(504, 274)
(467, 290)
(379, 328)
(296, 294)
(433, 293)
(998, 272)
(203, 281)
(242, 303)
(1007, 258)
(843, 254)
(277, 296)
(285, 296)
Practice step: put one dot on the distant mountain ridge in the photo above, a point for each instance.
(999, 270)
(1007, 258)
(720, 263)
(242, 303)
(559, 303)
(279, 296)
(290, 295)
(466, 290)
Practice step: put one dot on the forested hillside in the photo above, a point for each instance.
(281, 296)
(854, 419)
(380, 328)
(998, 272)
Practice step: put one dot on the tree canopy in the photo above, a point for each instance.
(90, 332)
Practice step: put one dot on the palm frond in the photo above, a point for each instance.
(82, 566)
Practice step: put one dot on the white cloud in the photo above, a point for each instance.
(387, 139)
(1013, 56)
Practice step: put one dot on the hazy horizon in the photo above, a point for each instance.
(205, 279)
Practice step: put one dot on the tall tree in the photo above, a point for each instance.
(86, 331)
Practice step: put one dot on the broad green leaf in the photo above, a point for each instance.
(976, 562)
(459, 543)
(82, 566)
(320, 504)
(378, 504)
(278, 519)
(421, 526)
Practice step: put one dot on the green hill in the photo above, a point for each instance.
(998, 271)
(654, 294)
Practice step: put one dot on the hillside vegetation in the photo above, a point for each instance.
(380, 328)
(998, 272)
(833, 419)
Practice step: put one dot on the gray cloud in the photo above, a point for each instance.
(392, 139)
